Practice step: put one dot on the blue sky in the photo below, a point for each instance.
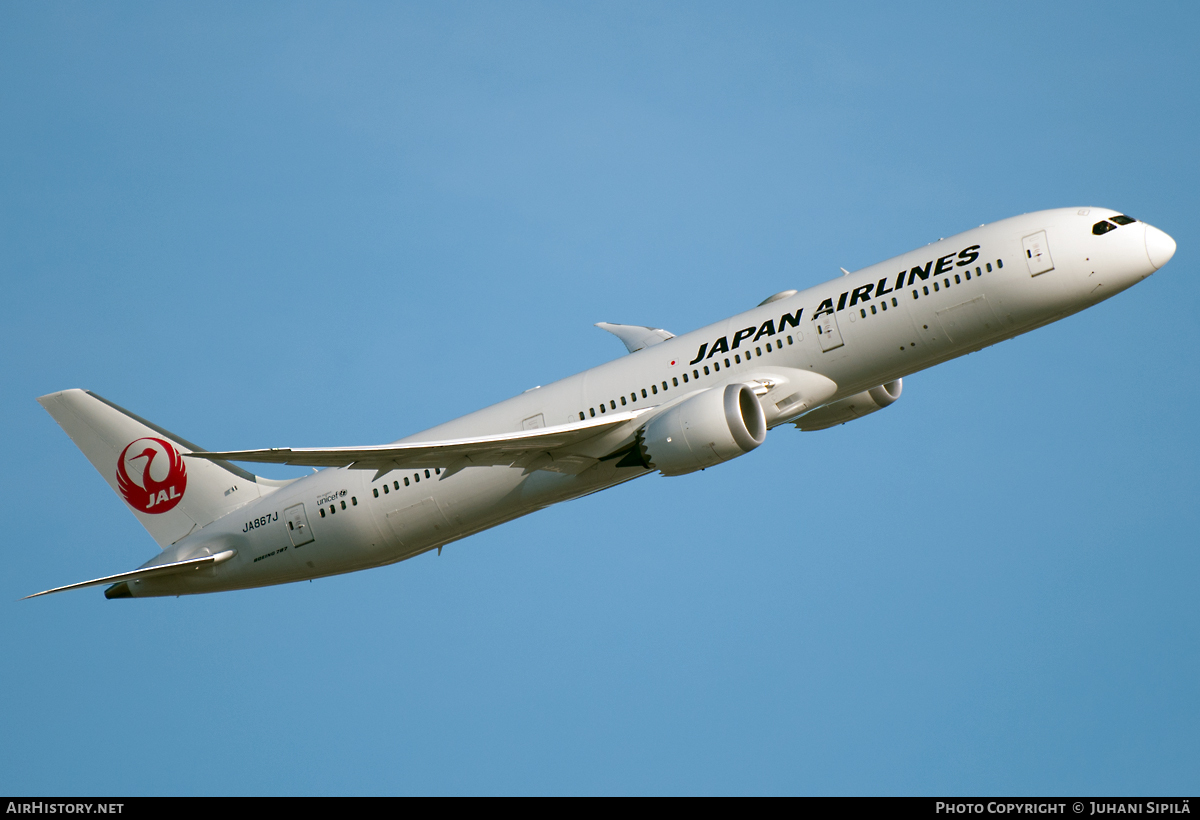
(302, 224)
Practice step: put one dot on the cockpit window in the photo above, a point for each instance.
(1103, 227)
(1122, 219)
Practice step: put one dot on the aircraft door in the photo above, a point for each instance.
(1037, 253)
(828, 332)
(297, 524)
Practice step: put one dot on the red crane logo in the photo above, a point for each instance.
(144, 491)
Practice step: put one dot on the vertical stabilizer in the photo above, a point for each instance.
(143, 463)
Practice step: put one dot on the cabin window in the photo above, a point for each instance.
(603, 408)
(685, 378)
(643, 392)
(925, 288)
(675, 381)
(354, 500)
(768, 347)
(989, 267)
(968, 276)
(343, 504)
(957, 281)
(935, 287)
(376, 491)
(863, 311)
(427, 474)
(385, 489)
(417, 477)
(999, 263)
(894, 302)
(654, 389)
(695, 374)
(706, 370)
(872, 310)
(406, 481)
(758, 351)
(322, 512)
(727, 362)
(332, 509)
(716, 367)
(623, 402)
(592, 412)
(633, 396)
(436, 471)
(738, 359)
(581, 416)
(396, 484)
(915, 295)
(978, 271)
(664, 386)
(789, 339)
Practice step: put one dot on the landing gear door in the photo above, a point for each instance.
(827, 332)
(297, 524)
(1037, 253)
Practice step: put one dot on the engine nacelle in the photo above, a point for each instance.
(711, 427)
(851, 407)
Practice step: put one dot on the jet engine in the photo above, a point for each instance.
(711, 427)
(851, 407)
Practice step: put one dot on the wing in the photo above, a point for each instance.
(451, 455)
(637, 337)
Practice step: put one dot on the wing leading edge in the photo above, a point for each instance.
(452, 455)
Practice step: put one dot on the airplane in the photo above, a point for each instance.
(674, 405)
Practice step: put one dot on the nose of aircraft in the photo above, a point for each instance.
(1159, 247)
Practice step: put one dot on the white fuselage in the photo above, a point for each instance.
(861, 330)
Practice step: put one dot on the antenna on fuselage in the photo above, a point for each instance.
(844, 271)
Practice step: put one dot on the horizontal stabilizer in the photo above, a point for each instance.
(637, 337)
(501, 449)
(146, 572)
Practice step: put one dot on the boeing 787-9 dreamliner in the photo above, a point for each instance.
(676, 404)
